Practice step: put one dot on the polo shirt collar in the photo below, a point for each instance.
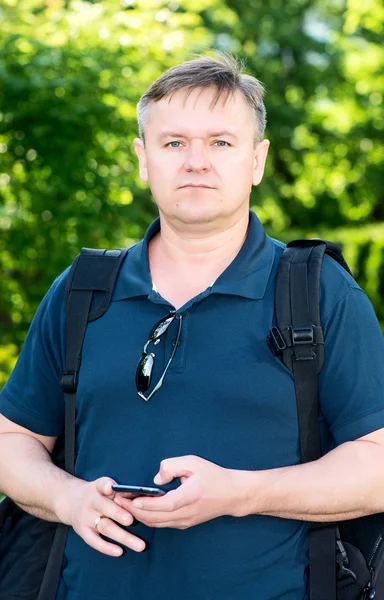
(246, 276)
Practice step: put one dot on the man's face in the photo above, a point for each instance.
(201, 161)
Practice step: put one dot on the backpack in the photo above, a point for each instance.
(31, 549)
(347, 557)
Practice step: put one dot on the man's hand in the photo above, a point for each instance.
(84, 502)
(205, 493)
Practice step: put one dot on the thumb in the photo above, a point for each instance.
(104, 486)
(173, 467)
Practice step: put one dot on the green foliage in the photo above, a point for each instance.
(322, 63)
(70, 79)
(8, 357)
(71, 73)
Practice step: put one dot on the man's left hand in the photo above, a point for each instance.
(206, 492)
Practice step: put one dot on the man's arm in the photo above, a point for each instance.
(26, 480)
(346, 483)
(28, 476)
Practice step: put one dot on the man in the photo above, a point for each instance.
(222, 429)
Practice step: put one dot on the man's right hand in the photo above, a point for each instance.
(84, 503)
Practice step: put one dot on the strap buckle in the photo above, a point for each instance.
(302, 335)
(303, 342)
(69, 381)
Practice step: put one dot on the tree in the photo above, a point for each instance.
(322, 66)
(71, 74)
(70, 77)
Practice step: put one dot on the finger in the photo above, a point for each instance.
(180, 524)
(164, 519)
(164, 524)
(108, 528)
(125, 503)
(174, 467)
(183, 496)
(104, 486)
(93, 539)
(113, 511)
(111, 530)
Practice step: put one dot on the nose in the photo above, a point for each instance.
(197, 157)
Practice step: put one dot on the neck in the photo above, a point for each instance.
(194, 249)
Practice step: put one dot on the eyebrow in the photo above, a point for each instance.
(225, 132)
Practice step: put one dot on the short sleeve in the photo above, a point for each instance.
(351, 384)
(32, 397)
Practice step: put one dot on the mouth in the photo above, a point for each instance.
(197, 185)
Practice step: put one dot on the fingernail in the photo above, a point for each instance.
(137, 504)
(117, 551)
(157, 478)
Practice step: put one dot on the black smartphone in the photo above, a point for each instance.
(134, 491)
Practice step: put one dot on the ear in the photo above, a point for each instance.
(141, 155)
(261, 152)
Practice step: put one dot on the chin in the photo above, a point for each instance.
(197, 215)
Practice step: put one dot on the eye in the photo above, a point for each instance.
(222, 143)
(171, 144)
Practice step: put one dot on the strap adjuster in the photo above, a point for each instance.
(276, 341)
(302, 335)
(69, 381)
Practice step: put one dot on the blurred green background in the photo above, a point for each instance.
(71, 73)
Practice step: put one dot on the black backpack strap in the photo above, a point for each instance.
(92, 271)
(299, 334)
(297, 338)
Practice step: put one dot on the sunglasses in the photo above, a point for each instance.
(146, 363)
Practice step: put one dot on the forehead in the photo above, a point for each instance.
(201, 109)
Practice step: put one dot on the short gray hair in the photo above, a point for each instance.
(222, 71)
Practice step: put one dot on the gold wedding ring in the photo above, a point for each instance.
(97, 521)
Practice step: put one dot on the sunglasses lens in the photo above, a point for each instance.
(144, 372)
(144, 369)
(162, 327)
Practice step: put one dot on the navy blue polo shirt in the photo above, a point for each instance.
(225, 398)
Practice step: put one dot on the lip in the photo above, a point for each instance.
(197, 185)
